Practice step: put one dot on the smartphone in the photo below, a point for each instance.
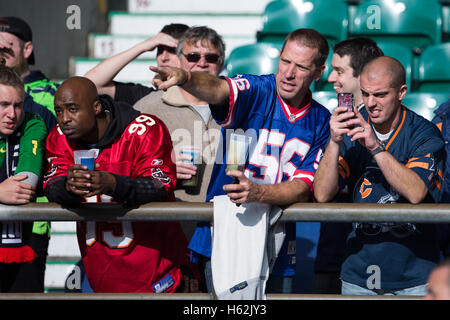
(346, 100)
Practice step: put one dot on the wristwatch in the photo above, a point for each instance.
(381, 147)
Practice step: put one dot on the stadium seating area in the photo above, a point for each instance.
(416, 32)
(416, 36)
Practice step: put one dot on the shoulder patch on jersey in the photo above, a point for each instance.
(163, 284)
(157, 173)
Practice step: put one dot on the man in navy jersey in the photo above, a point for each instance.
(349, 58)
(384, 153)
(288, 128)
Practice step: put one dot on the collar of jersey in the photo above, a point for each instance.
(299, 112)
(396, 131)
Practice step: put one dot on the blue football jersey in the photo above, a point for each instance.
(285, 144)
(405, 253)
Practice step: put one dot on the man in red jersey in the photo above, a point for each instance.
(133, 166)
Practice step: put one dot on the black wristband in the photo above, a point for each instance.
(378, 149)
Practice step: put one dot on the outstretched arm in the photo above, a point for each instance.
(203, 85)
(103, 74)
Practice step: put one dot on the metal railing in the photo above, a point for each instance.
(189, 211)
(192, 211)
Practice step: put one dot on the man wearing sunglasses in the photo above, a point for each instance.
(165, 42)
(384, 153)
(291, 130)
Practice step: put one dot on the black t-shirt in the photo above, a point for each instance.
(131, 92)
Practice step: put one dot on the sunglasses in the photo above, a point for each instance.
(195, 57)
(160, 49)
(399, 230)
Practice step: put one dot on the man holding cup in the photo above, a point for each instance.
(22, 140)
(288, 130)
(133, 166)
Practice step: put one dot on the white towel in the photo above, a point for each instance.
(243, 249)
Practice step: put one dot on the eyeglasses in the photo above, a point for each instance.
(195, 57)
(160, 49)
(399, 230)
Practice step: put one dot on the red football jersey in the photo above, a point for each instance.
(128, 256)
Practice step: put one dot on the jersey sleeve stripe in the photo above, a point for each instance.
(231, 111)
(306, 176)
(344, 169)
(307, 179)
(417, 164)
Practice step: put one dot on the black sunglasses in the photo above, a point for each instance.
(195, 57)
(399, 230)
(160, 49)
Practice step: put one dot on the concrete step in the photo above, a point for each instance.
(106, 45)
(56, 273)
(63, 254)
(63, 226)
(137, 71)
(148, 23)
(192, 6)
(63, 244)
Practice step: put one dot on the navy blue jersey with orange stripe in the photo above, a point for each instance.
(405, 259)
(286, 144)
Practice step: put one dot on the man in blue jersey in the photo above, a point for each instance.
(384, 153)
(290, 130)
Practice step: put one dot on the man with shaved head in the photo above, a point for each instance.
(384, 153)
(133, 166)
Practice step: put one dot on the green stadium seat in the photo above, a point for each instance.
(258, 58)
(402, 54)
(280, 17)
(414, 23)
(445, 20)
(434, 69)
(326, 98)
(424, 103)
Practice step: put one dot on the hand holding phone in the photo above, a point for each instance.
(346, 100)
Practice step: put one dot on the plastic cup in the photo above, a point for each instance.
(85, 157)
(237, 152)
(194, 152)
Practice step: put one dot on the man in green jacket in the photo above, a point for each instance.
(16, 47)
(22, 146)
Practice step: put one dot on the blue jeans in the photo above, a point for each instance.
(278, 284)
(353, 289)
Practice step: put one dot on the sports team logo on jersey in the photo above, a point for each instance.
(365, 189)
(157, 162)
(52, 170)
(157, 173)
(374, 188)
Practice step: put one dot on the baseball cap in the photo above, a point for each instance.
(20, 29)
